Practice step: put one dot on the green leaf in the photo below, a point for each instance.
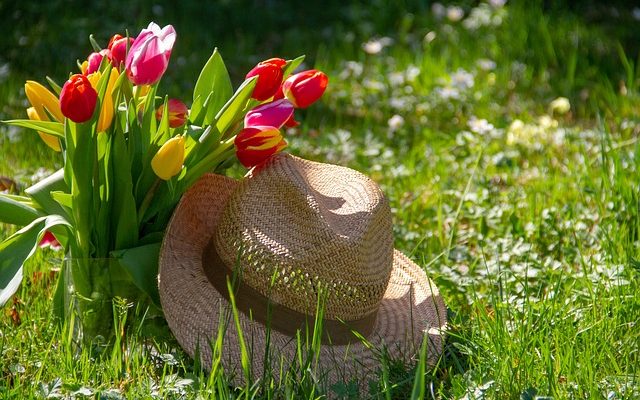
(62, 198)
(17, 248)
(232, 110)
(16, 212)
(56, 88)
(51, 127)
(142, 264)
(41, 193)
(214, 85)
(124, 222)
(292, 65)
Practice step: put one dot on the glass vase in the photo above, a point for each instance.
(91, 285)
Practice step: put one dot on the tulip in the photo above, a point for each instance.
(118, 49)
(168, 161)
(255, 144)
(270, 74)
(275, 114)
(304, 88)
(42, 99)
(50, 241)
(78, 99)
(177, 113)
(48, 139)
(149, 54)
(107, 111)
(94, 61)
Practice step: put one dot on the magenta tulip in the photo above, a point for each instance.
(275, 114)
(94, 60)
(148, 57)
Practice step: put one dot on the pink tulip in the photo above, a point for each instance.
(94, 60)
(50, 241)
(148, 57)
(118, 49)
(275, 114)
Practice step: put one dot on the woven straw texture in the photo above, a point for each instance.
(294, 227)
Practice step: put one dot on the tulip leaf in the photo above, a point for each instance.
(232, 110)
(62, 198)
(56, 88)
(124, 225)
(94, 44)
(142, 265)
(214, 79)
(41, 193)
(292, 65)
(51, 127)
(17, 248)
(16, 210)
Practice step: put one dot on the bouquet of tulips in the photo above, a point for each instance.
(129, 155)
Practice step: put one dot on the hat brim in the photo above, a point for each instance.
(197, 312)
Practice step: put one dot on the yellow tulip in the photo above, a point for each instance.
(48, 139)
(106, 112)
(41, 98)
(168, 161)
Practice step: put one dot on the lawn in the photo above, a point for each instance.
(524, 212)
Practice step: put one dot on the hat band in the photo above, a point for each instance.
(279, 317)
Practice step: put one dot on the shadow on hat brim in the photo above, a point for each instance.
(196, 312)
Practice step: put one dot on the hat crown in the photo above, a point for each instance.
(297, 226)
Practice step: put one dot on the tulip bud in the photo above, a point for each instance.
(118, 49)
(275, 114)
(168, 161)
(78, 98)
(178, 112)
(94, 60)
(304, 88)
(255, 144)
(270, 74)
(149, 54)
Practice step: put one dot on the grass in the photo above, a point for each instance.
(529, 229)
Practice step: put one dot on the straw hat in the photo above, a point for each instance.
(291, 233)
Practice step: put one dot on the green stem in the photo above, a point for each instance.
(208, 162)
(147, 200)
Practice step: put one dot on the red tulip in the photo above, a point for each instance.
(275, 113)
(270, 74)
(178, 112)
(78, 98)
(256, 144)
(149, 54)
(50, 241)
(94, 60)
(118, 49)
(304, 88)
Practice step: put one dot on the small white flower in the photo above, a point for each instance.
(455, 13)
(375, 46)
(396, 122)
(497, 3)
(560, 106)
(462, 79)
(480, 126)
(438, 10)
(486, 64)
